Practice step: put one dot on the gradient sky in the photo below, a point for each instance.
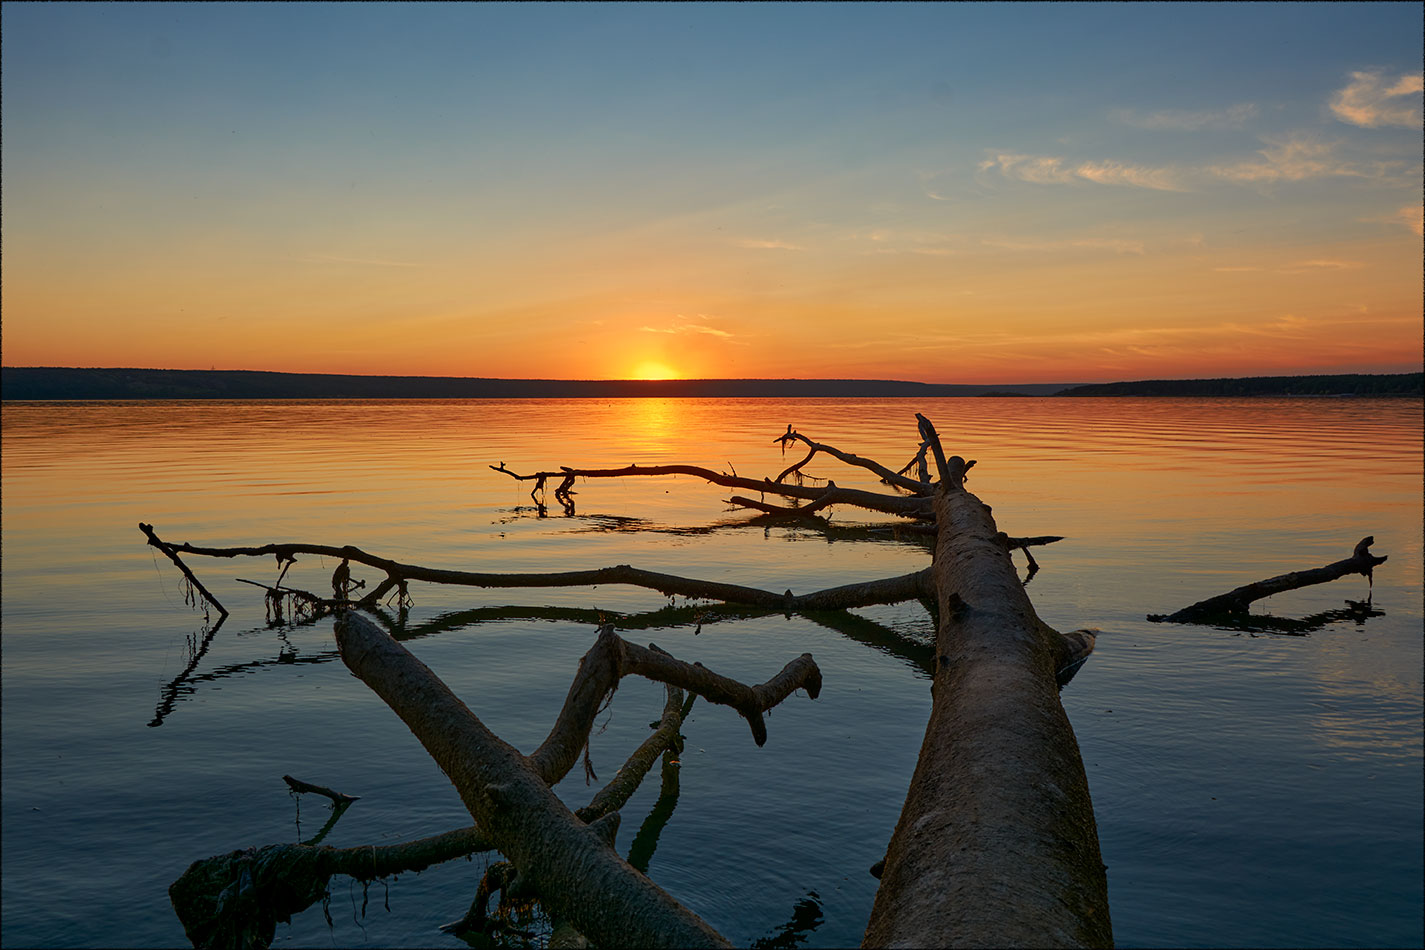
(944, 192)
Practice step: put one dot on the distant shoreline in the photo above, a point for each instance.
(63, 383)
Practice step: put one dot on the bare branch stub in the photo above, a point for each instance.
(297, 785)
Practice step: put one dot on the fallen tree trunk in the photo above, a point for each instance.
(996, 844)
(1234, 603)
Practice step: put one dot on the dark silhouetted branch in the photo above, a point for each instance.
(167, 549)
(297, 785)
(897, 479)
(1234, 603)
(910, 507)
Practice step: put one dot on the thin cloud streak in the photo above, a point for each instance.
(1297, 159)
(1053, 170)
(763, 245)
(684, 328)
(1117, 245)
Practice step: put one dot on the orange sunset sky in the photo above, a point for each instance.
(944, 193)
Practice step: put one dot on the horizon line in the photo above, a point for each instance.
(703, 379)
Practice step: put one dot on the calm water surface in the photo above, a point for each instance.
(1251, 790)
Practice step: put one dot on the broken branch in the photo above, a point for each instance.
(874, 501)
(167, 549)
(297, 785)
(1234, 603)
(898, 479)
(572, 866)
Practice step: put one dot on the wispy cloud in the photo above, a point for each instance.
(1300, 159)
(1295, 267)
(904, 241)
(1039, 169)
(1117, 245)
(1303, 267)
(689, 327)
(1370, 100)
(1137, 176)
(1413, 217)
(1053, 170)
(1233, 117)
(768, 244)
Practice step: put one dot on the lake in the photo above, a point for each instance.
(1251, 788)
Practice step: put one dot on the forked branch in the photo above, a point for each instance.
(898, 479)
(571, 865)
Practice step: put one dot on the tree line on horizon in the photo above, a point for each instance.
(67, 383)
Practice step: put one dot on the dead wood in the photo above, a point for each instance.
(236, 899)
(569, 864)
(909, 507)
(613, 657)
(297, 785)
(898, 479)
(1234, 603)
(167, 549)
(996, 843)
(665, 739)
(885, 591)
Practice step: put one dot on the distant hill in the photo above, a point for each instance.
(49, 382)
(67, 383)
(1350, 384)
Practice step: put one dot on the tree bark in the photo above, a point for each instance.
(996, 843)
(570, 865)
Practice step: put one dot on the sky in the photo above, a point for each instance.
(949, 193)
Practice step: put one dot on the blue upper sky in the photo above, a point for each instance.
(531, 158)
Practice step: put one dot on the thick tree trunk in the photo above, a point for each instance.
(996, 844)
(571, 865)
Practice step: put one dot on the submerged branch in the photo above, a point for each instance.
(886, 591)
(1234, 603)
(874, 501)
(237, 899)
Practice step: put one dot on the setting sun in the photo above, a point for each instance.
(651, 370)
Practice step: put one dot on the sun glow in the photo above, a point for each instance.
(651, 370)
